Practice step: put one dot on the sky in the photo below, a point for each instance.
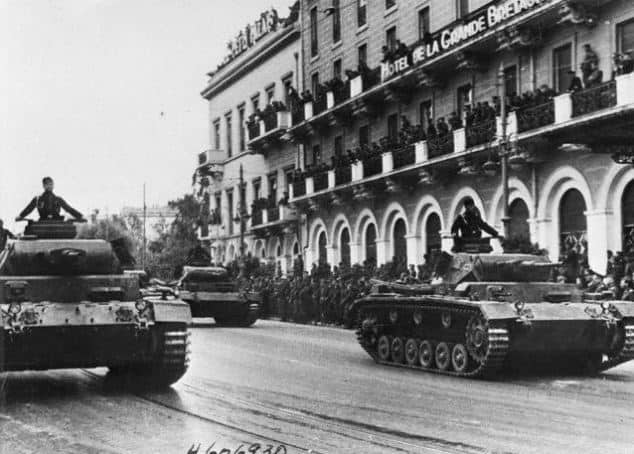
(104, 96)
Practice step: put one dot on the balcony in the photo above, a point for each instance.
(275, 221)
(320, 181)
(343, 175)
(594, 99)
(210, 163)
(535, 117)
(404, 156)
(257, 217)
(481, 133)
(268, 131)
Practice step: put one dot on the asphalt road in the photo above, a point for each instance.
(304, 388)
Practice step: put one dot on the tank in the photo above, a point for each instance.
(67, 303)
(485, 314)
(211, 292)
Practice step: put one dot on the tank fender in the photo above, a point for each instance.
(625, 308)
(494, 310)
(171, 311)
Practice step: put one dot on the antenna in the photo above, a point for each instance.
(144, 228)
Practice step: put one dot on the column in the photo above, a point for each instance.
(446, 239)
(387, 162)
(563, 108)
(355, 249)
(331, 255)
(381, 252)
(413, 242)
(547, 239)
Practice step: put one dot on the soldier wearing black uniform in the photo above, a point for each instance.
(469, 225)
(4, 235)
(49, 205)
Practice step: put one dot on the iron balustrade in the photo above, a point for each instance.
(270, 122)
(482, 132)
(320, 104)
(440, 145)
(404, 156)
(254, 130)
(593, 99)
(535, 117)
(256, 217)
(320, 181)
(343, 175)
(273, 214)
(297, 113)
(342, 93)
(372, 166)
(299, 188)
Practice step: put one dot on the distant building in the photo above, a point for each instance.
(154, 217)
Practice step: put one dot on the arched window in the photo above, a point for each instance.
(279, 250)
(370, 243)
(296, 249)
(518, 224)
(345, 246)
(323, 256)
(432, 233)
(572, 223)
(399, 242)
(627, 215)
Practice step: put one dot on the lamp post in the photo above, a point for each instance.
(504, 151)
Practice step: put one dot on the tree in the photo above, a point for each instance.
(110, 229)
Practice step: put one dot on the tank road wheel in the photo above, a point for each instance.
(398, 350)
(383, 348)
(460, 358)
(477, 338)
(411, 352)
(426, 354)
(443, 356)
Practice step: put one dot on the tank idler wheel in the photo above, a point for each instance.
(426, 354)
(443, 356)
(411, 351)
(383, 348)
(398, 350)
(460, 358)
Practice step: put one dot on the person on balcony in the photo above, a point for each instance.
(431, 129)
(590, 60)
(454, 121)
(284, 200)
(595, 76)
(469, 226)
(575, 82)
(442, 127)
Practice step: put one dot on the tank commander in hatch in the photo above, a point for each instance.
(469, 225)
(49, 205)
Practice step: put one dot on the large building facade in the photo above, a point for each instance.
(379, 183)
(242, 179)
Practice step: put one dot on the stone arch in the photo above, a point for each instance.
(427, 206)
(393, 214)
(365, 219)
(259, 249)
(339, 225)
(609, 200)
(517, 190)
(456, 204)
(317, 227)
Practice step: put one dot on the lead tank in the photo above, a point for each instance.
(489, 312)
(66, 303)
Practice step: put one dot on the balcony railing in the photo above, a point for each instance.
(593, 99)
(372, 166)
(320, 104)
(440, 145)
(535, 117)
(273, 214)
(320, 181)
(254, 130)
(299, 188)
(480, 133)
(270, 122)
(343, 175)
(256, 217)
(404, 156)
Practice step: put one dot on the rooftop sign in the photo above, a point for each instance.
(252, 33)
(456, 34)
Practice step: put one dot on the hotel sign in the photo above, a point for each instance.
(455, 35)
(252, 33)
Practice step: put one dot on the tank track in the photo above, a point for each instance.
(626, 353)
(488, 365)
(173, 359)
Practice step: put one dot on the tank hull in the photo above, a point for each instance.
(485, 338)
(228, 308)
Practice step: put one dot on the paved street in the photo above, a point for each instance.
(312, 388)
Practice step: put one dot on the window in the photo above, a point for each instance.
(362, 12)
(390, 4)
(390, 38)
(625, 36)
(287, 83)
(314, 44)
(562, 63)
(229, 135)
(288, 177)
(392, 128)
(316, 154)
(217, 134)
(464, 97)
(314, 84)
(462, 8)
(257, 189)
(423, 23)
(363, 55)
(270, 94)
(218, 201)
(364, 135)
(510, 80)
(336, 22)
(273, 186)
(336, 69)
(255, 103)
(241, 116)
(425, 113)
(338, 146)
(230, 210)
